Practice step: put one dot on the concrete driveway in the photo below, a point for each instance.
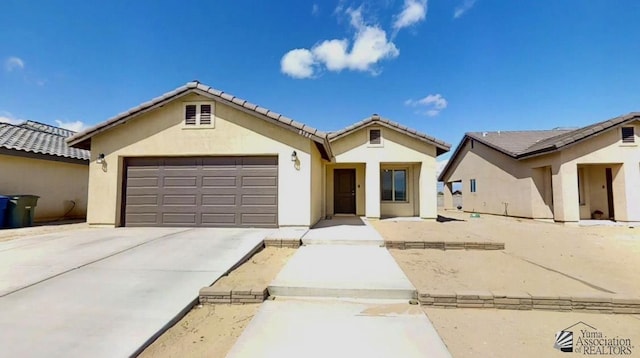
(105, 292)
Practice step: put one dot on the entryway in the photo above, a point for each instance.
(344, 191)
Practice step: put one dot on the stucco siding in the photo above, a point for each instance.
(161, 133)
(58, 185)
(317, 191)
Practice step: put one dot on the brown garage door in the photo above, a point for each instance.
(207, 191)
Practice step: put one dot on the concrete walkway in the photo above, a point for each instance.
(343, 230)
(339, 328)
(343, 271)
(106, 292)
(342, 295)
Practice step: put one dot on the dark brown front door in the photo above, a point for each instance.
(201, 191)
(344, 191)
(609, 175)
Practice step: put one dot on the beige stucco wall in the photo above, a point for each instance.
(317, 185)
(160, 132)
(396, 149)
(56, 183)
(502, 183)
(524, 184)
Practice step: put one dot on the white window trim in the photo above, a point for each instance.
(407, 174)
(381, 144)
(198, 109)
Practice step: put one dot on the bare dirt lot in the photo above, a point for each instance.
(508, 333)
(211, 330)
(538, 256)
(40, 229)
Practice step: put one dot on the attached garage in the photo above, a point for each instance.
(201, 191)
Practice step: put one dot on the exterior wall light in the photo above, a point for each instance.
(100, 159)
(294, 156)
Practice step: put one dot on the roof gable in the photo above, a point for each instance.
(83, 139)
(441, 147)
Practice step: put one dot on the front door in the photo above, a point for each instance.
(344, 191)
(609, 178)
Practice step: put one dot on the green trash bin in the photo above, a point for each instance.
(20, 210)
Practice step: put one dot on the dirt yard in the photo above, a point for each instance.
(211, 330)
(40, 229)
(538, 256)
(508, 333)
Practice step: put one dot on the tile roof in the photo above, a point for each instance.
(82, 139)
(442, 147)
(42, 127)
(527, 144)
(514, 143)
(23, 138)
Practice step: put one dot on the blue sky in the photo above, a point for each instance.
(443, 67)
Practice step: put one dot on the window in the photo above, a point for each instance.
(472, 142)
(375, 136)
(393, 185)
(628, 135)
(198, 114)
(472, 185)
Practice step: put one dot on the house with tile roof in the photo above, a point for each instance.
(197, 156)
(36, 160)
(566, 175)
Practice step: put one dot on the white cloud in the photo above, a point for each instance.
(6, 117)
(413, 12)
(75, 126)
(13, 63)
(315, 9)
(432, 104)
(298, 63)
(463, 8)
(368, 46)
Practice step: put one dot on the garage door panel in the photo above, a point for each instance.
(257, 219)
(210, 191)
(220, 181)
(259, 200)
(149, 218)
(248, 162)
(179, 199)
(179, 218)
(261, 181)
(224, 219)
(219, 200)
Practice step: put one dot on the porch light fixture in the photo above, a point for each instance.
(100, 159)
(294, 156)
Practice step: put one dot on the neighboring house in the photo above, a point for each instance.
(566, 175)
(197, 156)
(35, 160)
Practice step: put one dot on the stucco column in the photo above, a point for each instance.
(428, 190)
(372, 188)
(565, 192)
(448, 195)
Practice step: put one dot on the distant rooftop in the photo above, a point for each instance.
(39, 138)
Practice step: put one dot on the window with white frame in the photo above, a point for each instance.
(393, 185)
(198, 114)
(472, 185)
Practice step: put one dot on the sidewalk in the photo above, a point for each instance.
(341, 295)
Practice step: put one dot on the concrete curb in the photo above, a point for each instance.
(604, 303)
(286, 243)
(212, 295)
(444, 245)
